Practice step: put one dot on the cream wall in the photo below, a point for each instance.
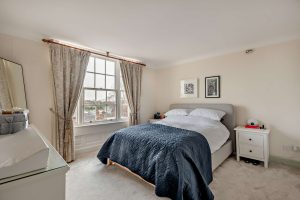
(263, 85)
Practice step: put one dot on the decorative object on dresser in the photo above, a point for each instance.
(253, 144)
(212, 87)
(12, 123)
(189, 88)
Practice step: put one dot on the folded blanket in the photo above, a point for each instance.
(177, 161)
(12, 123)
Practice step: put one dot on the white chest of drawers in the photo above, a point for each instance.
(252, 143)
(44, 184)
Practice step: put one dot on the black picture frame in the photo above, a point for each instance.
(213, 87)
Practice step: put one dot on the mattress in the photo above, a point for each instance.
(22, 152)
(214, 131)
(218, 157)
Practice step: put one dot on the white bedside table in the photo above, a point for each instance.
(252, 143)
(153, 120)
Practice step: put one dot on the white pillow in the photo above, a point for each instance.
(178, 112)
(208, 113)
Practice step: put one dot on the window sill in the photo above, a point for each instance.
(102, 123)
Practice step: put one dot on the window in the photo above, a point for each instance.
(103, 97)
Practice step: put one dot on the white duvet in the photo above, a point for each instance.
(215, 132)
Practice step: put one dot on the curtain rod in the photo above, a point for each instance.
(92, 51)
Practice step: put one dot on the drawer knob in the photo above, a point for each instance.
(250, 139)
(250, 151)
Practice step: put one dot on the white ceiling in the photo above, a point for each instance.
(159, 33)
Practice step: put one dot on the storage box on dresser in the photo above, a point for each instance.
(252, 143)
(12, 123)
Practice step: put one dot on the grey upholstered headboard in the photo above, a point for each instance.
(228, 120)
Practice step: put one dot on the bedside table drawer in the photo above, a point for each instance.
(251, 139)
(252, 151)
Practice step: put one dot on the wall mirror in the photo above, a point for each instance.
(12, 87)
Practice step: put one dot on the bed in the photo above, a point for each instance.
(219, 156)
(177, 161)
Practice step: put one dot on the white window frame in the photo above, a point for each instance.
(80, 105)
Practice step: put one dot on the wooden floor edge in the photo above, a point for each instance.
(110, 162)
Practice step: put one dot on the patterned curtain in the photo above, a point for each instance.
(132, 79)
(68, 68)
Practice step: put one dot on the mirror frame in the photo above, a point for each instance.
(23, 79)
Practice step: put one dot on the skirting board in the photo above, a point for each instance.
(292, 163)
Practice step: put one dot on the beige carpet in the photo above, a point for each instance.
(88, 179)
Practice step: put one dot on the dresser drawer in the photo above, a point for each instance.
(252, 151)
(251, 139)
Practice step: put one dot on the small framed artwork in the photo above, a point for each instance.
(212, 87)
(189, 88)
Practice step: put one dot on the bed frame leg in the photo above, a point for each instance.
(109, 162)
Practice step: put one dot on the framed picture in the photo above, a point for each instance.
(189, 88)
(212, 87)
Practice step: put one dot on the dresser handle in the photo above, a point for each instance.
(250, 151)
(250, 139)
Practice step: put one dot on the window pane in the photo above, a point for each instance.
(89, 80)
(111, 97)
(110, 67)
(110, 82)
(121, 83)
(100, 66)
(100, 81)
(90, 67)
(101, 96)
(89, 112)
(111, 105)
(124, 108)
(100, 105)
(89, 96)
(110, 112)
